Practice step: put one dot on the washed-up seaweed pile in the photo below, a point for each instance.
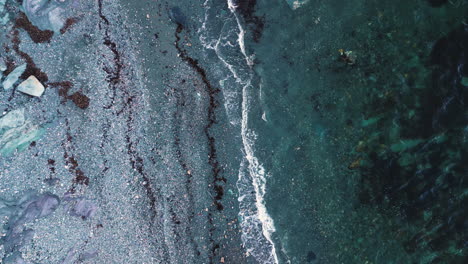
(413, 152)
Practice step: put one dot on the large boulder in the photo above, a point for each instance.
(47, 14)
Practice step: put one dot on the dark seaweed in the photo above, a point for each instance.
(218, 180)
(37, 35)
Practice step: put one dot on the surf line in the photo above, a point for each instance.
(218, 180)
(255, 168)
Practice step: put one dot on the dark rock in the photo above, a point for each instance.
(83, 208)
(37, 35)
(42, 206)
(28, 209)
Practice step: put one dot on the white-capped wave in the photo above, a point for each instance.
(257, 225)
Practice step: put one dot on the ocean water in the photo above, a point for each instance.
(234, 131)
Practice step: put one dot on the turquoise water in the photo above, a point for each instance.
(230, 131)
(322, 112)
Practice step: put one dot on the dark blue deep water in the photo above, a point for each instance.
(233, 131)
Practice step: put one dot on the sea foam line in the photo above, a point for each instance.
(257, 225)
(241, 34)
(255, 168)
(258, 174)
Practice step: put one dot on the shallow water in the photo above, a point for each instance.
(228, 131)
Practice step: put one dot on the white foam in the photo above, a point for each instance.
(257, 225)
(258, 177)
(295, 4)
(241, 33)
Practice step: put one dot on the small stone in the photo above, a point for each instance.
(3, 66)
(31, 86)
(13, 77)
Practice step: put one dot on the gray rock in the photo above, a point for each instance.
(83, 208)
(47, 14)
(88, 255)
(13, 77)
(29, 208)
(12, 119)
(31, 86)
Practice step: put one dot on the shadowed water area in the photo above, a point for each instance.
(233, 131)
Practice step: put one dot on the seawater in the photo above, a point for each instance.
(313, 111)
(239, 86)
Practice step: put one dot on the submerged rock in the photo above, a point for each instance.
(415, 167)
(13, 77)
(31, 86)
(42, 206)
(4, 20)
